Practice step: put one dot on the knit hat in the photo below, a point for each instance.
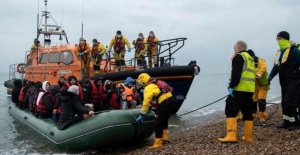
(74, 89)
(250, 52)
(119, 32)
(128, 80)
(284, 34)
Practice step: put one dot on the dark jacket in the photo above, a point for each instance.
(16, 91)
(290, 69)
(70, 106)
(236, 71)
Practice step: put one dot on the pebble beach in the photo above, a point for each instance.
(202, 137)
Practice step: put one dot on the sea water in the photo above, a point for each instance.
(209, 86)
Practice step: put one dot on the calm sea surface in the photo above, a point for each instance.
(208, 86)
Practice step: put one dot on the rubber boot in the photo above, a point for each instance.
(165, 136)
(248, 131)
(285, 125)
(231, 127)
(254, 116)
(158, 142)
(82, 72)
(117, 68)
(262, 116)
(122, 68)
(87, 72)
(239, 116)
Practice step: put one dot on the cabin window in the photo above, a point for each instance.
(43, 58)
(66, 57)
(29, 62)
(53, 58)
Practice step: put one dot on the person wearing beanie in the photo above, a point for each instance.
(286, 64)
(152, 48)
(71, 109)
(98, 50)
(261, 87)
(118, 42)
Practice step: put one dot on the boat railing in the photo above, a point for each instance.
(166, 49)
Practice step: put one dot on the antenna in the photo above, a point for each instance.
(37, 32)
(82, 18)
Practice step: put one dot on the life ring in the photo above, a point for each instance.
(21, 68)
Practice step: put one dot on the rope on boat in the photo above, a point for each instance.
(204, 106)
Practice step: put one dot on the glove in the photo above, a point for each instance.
(81, 54)
(269, 81)
(100, 54)
(230, 91)
(129, 50)
(139, 119)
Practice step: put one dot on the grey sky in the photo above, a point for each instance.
(212, 27)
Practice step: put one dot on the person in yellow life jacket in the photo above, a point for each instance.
(165, 106)
(97, 51)
(240, 89)
(286, 64)
(83, 52)
(118, 42)
(129, 94)
(261, 87)
(140, 45)
(152, 48)
(35, 44)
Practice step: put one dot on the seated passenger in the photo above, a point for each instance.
(46, 103)
(71, 109)
(114, 101)
(16, 91)
(72, 80)
(128, 94)
(22, 102)
(94, 92)
(61, 82)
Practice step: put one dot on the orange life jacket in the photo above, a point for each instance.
(151, 42)
(119, 44)
(80, 91)
(129, 93)
(41, 106)
(96, 94)
(139, 44)
(22, 94)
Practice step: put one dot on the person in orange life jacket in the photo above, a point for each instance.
(97, 51)
(165, 107)
(22, 102)
(71, 109)
(152, 48)
(94, 94)
(140, 45)
(261, 87)
(33, 94)
(16, 91)
(128, 94)
(72, 80)
(286, 64)
(83, 52)
(47, 101)
(118, 43)
(240, 89)
(62, 81)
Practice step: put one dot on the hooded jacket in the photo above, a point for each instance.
(42, 92)
(49, 101)
(71, 111)
(16, 91)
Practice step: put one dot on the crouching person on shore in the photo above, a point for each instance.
(71, 109)
(241, 89)
(165, 107)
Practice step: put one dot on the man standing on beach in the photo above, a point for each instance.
(287, 63)
(241, 89)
